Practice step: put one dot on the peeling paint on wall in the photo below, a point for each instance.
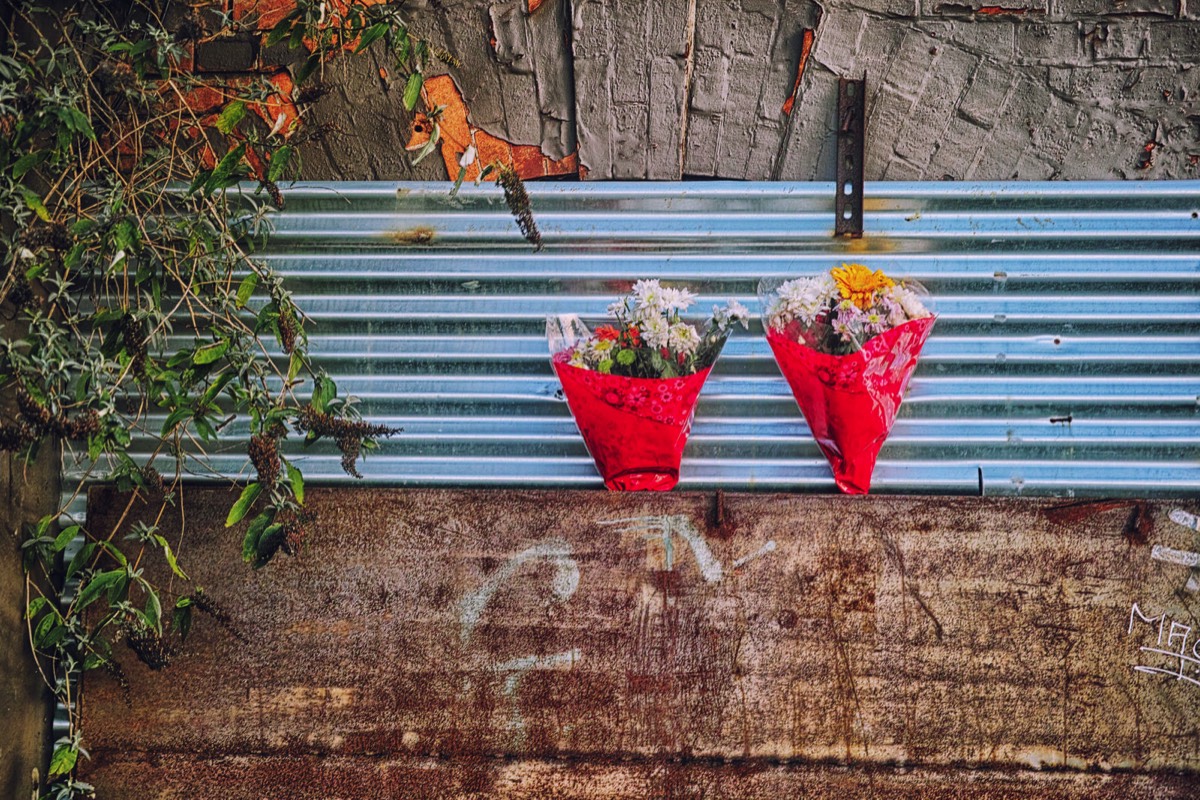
(458, 134)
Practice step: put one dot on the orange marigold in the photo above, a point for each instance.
(858, 284)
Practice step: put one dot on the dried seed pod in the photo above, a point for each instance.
(133, 337)
(288, 331)
(264, 454)
(153, 480)
(115, 77)
(16, 435)
(152, 649)
(518, 203)
(21, 294)
(82, 426)
(118, 674)
(33, 411)
(209, 606)
(347, 434)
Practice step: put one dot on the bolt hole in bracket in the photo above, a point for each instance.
(851, 136)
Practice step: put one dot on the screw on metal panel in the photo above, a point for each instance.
(851, 138)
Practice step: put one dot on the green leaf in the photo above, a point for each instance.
(435, 137)
(279, 162)
(83, 227)
(26, 163)
(371, 36)
(78, 122)
(119, 590)
(246, 289)
(412, 91)
(63, 760)
(154, 610)
(81, 558)
(169, 554)
(242, 506)
(214, 389)
(181, 620)
(65, 537)
(268, 544)
(294, 365)
(230, 116)
(458, 182)
(115, 552)
(203, 427)
(177, 416)
(225, 174)
(324, 390)
(35, 605)
(282, 28)
(210, 352)
(297, 480)
(308, 68)
(34, 201)
(254, 532)
(43, 628)
(95, 586)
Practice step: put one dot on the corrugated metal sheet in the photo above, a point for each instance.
(1064, 362)
(1066, 358)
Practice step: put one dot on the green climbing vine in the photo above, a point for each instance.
(131, 303)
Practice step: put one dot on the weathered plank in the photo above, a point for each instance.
(460, 626)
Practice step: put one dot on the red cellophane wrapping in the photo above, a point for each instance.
(634, 428)
(850, 401)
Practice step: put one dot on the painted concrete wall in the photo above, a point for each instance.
(744, 89)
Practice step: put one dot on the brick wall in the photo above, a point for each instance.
(744, 89)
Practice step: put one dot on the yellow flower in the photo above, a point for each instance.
(858, 284)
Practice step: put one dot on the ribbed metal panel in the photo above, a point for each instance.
(1056, 302)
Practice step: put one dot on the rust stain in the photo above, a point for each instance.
(419, 235)
(1140, 525)
(805, 49)
(593, 655)
(721, 524)
(534, 5)
(458, 134)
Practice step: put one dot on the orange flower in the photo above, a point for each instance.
(858, 284)
(607, 333)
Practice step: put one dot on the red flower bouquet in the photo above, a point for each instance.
(847, 343)
(632, 384)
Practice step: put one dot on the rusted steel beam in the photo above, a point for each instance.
(413, 778)
(455, 626)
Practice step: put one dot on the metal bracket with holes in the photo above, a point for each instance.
(851, 136)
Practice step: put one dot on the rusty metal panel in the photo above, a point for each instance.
(1066, 360)
(434, 642)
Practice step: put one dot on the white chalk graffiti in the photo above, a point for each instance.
(769, 547)
(1170, 647)
(662, 530)
(563, 585)
(1181, 517)
(1184, 558)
